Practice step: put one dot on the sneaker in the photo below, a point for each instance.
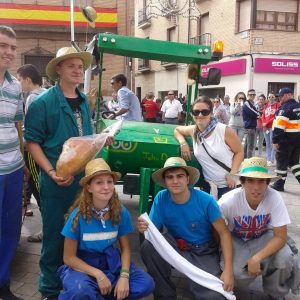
(35, 238)
(6, 294)
(269, 163)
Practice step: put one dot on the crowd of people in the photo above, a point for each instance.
(235, 239)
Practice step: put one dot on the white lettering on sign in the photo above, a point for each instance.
(290, 64)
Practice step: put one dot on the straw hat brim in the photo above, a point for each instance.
(84, 180)
(90, 19)
(194, 175)
(259, 175)
(86, 57)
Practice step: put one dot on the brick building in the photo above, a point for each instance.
(260, 37)
(43, 26)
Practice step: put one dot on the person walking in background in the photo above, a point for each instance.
(226, 103)
(267, 119)
(220, 112)
(236, 115)
(286, 137)
(55, 116)
(150, 108)
(215, 145)
(11, 160)
(31, 81)
(94, 268)
(250, 115)
(130, 108)
(113, 104)
(259, 133)
(171, 109)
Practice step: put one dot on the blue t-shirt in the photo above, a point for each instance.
(92, 236)
(191, 220)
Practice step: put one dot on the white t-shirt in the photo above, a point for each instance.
(247, 223)
(171, 108)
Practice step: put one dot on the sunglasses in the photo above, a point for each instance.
(170, 94)
(203, 112)
(252, 94)
(241, 98)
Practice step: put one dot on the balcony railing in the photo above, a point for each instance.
(143, 64)
(203, 39)
(143, 18)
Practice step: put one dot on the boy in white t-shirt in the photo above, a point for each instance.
(257, 218)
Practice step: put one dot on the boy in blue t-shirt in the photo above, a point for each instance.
(190, 216)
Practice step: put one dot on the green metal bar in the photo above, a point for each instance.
(188, 108)
(99, 92)
(154, 49)
(197, 83)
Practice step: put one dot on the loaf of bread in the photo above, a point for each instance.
(77, 152)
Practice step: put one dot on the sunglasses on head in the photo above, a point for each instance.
(203, 112)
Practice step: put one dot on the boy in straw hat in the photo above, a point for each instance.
(190, 216)
(58, 114)
(257, 218)
(94, 268)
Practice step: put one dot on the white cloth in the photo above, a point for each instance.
(171, 108)
(170, 255)
(247, 223)
(217, 148)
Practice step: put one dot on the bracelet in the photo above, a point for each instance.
(100, 279)
(50, 170)
(124, 271)
(125, 275)
(183, 144)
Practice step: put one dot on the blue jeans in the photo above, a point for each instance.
(269, 149)
(10, 220)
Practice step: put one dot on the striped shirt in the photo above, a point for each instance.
(11, 111)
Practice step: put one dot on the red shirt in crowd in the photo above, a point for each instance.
(151, 108)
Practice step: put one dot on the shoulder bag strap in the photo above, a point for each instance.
(217, 161)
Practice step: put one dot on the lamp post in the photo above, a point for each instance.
(72, 20)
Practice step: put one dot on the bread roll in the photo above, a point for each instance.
(76, 153)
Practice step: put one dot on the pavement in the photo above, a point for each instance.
(25, 267)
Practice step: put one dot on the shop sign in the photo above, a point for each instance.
(227, 68)
(277, 65)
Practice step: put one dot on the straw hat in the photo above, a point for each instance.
(65, 53)
(90, 14)
(256, 167)
(176, 162)
(96, 167)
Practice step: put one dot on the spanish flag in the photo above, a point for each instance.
(54, 15)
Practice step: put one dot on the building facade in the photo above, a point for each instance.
(43, 26)
(261, 45)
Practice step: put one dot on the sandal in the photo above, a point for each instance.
(29, 212)
(35, 238)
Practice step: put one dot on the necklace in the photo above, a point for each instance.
(101, 213)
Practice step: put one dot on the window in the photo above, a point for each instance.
(171, 34)
(267, 15)
(39, 61)
(276, 15)
(273, 20)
